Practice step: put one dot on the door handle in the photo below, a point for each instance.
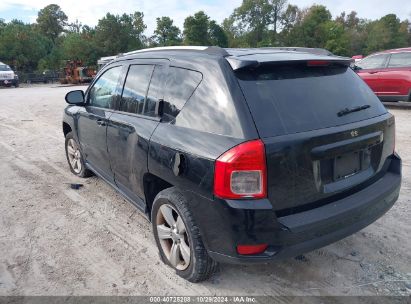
(372, 72)
(101, 122)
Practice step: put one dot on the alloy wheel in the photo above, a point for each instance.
(173, 237)
(74, 156)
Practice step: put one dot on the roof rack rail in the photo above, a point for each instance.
(212, 50)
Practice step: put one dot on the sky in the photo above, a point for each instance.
(90, 11)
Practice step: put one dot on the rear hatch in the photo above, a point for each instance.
(326, 134)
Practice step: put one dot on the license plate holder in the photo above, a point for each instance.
(347, 165)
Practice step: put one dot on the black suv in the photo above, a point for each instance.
(237, 155)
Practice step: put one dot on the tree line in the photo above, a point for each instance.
(51, 40)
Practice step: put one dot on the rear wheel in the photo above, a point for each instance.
(75, 158)
(178, 237)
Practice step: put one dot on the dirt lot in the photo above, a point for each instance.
(59, 241)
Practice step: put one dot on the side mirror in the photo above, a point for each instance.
(75, 97)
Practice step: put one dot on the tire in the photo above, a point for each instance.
(77, 167)
(200, 266)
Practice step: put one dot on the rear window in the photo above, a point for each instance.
(287, 99)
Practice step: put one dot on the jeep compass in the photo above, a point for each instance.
(237, 155)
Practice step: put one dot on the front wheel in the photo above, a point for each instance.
(74, 157)
(178, 237)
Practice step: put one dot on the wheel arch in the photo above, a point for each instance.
(152, 186)
(66, 128)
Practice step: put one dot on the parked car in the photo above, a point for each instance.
(388, 74)
(236, 155)
(357, 58)
(7, 76)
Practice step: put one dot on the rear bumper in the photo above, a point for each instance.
(296, 234)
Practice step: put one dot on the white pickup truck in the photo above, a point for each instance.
(7, 76)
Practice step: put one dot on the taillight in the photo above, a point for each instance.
(251, 249)
(311, 63)
(241, 172)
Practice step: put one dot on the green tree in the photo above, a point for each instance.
(336, 39)
(290, 18)
(138, 25)
(253, 16)
(2, 24)
(51, 21)
(386, 33)
(166, 32)
(118, 34)
(217, 36)
(310, 29)
(355, 32)
(196, 29)
(22, 46)
(79, 46)
(75, 27)
(277, 11)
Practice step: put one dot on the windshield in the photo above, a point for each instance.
(287, 99)
(4, 67)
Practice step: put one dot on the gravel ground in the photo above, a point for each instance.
(59, 241)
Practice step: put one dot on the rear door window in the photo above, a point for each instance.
(373, 62)
(180, 85)
(287, 99)
(400, 60)
(156, 91)
(135, 88)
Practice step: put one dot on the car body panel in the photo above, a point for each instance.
(389, 83)
(300, 165)
(128, 140)
(92, 134)
(294, 234)
(372, 79)
(395, 81)
(217, 117)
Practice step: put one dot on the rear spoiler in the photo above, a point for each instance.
(241, 63)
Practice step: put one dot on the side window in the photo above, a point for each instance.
(155, 92)
(400, 60)
(180, 85)
(135, 88)
(373, 62)
(102, 93)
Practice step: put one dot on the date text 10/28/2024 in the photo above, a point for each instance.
(203, 299)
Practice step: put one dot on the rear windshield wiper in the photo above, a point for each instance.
(352, 110)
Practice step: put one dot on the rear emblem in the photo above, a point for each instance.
(354, 133)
